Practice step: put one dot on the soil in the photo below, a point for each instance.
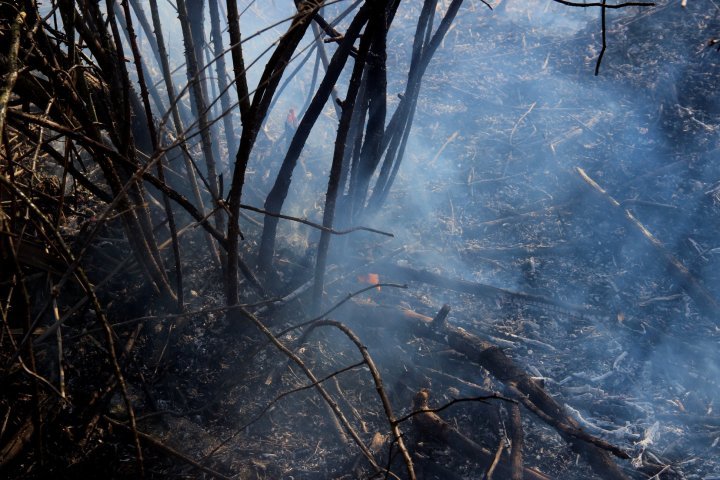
(488, 194)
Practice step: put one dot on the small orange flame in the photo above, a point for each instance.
(370, 278)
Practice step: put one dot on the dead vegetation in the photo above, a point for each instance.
(529, 298)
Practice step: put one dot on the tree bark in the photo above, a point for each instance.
(177, 121)
(347, 108)
(278, 193)
(198, 94)
(251, 125)
(221, 73)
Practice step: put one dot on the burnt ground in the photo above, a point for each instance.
(504, 206)
(488, 194)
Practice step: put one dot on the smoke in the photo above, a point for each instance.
(509, 106)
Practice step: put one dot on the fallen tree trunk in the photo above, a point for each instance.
(517, 441)
(504, 369)
(528, 392)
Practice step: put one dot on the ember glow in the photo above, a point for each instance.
(371, 279)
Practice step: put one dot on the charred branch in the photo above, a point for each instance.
(278, 193)
(262, 99)
(430, 425)
(704, 300)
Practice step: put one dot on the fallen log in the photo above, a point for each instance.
(526, 390)
(531, 394)
(688, 282)
(15, 444)
(517, 440)
(408, 274)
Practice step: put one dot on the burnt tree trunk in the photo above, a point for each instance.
(348, 110)
(376, 91)
(221, 73)
(195, 79)
(252, 120)
(278, 193)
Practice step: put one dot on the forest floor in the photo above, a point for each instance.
(489, 194)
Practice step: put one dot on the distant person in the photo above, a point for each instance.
(291, 125)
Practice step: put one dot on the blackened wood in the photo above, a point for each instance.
(152, 90)
(133, 132)
(221, 71)
(399, 272)
(386, 179)
(140, 69)
(439, 320)
(12, 72)
(355, 134)
(504, 369)
(405, 110)
(113, 110)
(430, 424)
(320, 45)
(178, 124)
(237, 59)
(525, 389)
(376, 92)
(17, 442)
(252, 121)
(279, 191)
(347, 108)
(290, 78)
(517, 440)
(157, 46)
(200, 99)
(692, 286)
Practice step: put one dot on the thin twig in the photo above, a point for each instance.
(169, 450)
(308, 373)
(99, 312)
(394, 424)
(482, 398)
(313, 224)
